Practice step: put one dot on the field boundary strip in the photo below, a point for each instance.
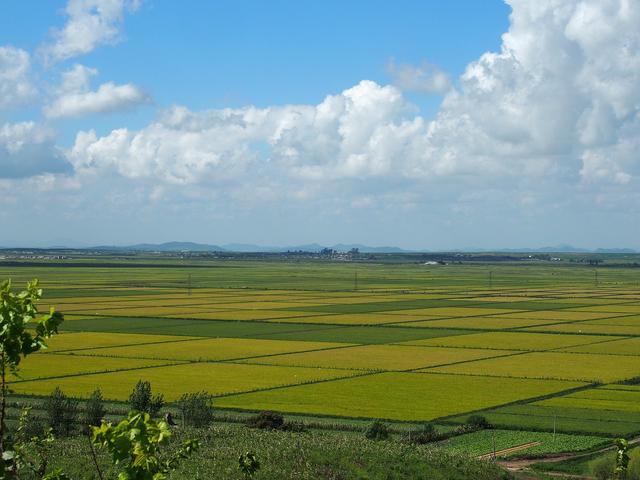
(222, 360)
(82, 374)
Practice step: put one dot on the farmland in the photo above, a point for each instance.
(533, 347)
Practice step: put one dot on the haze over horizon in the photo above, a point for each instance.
(422, 125)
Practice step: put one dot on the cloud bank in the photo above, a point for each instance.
(561, 99)
(549, 123)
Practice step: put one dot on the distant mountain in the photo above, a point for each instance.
(341, 247)
(310, 247)
(246, 248)
(165, 247)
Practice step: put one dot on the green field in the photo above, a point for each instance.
(529, 348)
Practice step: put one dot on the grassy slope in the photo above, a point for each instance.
(310, 455)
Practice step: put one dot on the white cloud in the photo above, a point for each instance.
(90, 23)
(16, 87)
(353, 134)
(28, 149)
(425, 78)
(560, 100)
(76, 100)
(547, 127)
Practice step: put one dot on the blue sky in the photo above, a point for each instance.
(434, 125)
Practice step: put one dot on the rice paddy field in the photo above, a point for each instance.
(536, 348)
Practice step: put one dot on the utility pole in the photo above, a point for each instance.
(189, 284)
(355, 281)
(493, 440)
(596, 276)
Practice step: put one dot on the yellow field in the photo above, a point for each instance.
(454, 311)
(506, 298)
(483, 323)
(352, 319)
(612, 308)
(588, 328)
(510, 341)
(211, 349)
(562, 315)
(628, 346)
(563, 366)
(241, 315)
(379, 357)
(82, 340)
(397, 396)
(53, 365)
(632, 321)
(215, 378)
(244, 305)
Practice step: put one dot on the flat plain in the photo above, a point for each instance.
(531, 346)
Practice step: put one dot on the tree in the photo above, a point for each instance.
(196, 409)
(141, 399)
(267, 420)
(94, 410)
(62, 412)
(377, 430)
(622, 458)
(17, 311)
(136, 444)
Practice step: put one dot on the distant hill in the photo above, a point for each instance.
(244, 248)
(310, 247)
(164, 247)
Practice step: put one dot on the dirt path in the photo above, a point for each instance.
(518, 465)
(507, 451)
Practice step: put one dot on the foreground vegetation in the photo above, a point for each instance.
(293, 455)
(534, 348)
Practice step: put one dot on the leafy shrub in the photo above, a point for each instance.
(425, 434)
(136, 445)
(141, 399)
(267, 420)
(94, 410)
(248, 464)
(62, 412)
(478, 421)
(196, 409)
(377, 431)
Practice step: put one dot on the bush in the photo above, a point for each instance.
(62, 412)
(196, 409)
(377, 431)
(141, 399)
(94, 410)
(267, 420)
(602, 468)
(294, 426)
(634, 465)
(478, 421)
(426, 434)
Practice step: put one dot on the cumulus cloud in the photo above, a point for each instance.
(563, 86)
(90, 23)
(359, 132)
(75, 99)
(424, 78)
(559, 100)
(28, 149)
(16, 87)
